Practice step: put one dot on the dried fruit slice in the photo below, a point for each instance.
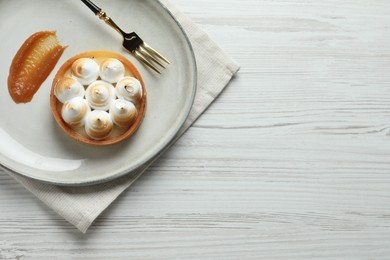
(32, 64)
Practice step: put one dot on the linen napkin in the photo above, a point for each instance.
(82, 205)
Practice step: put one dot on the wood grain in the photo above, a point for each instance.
(291, 162)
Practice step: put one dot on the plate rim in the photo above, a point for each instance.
(147, 160)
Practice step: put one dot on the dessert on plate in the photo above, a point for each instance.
(98, 98)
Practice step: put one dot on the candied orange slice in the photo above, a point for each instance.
(32, 64)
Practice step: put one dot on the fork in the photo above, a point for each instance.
(132, 42)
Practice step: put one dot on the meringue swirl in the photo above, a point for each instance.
(100, 94)
(85, 70)
(123, 113)
(75, 111)
(129, 88)
(98, 125)
(112, 70)
(68, 88)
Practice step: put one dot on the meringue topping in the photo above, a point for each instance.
(98, 125)
(112, 70)
(123, 113)
(100, 94)
(112, 115)
(85, 70)
(129, 88)
(68, 88)
(74, 111)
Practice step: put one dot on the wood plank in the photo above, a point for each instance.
(291, 162)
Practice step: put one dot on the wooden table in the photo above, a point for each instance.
(291, 162)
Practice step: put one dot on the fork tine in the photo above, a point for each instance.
(131, 41)
(145, 61)
(147, 55)
(154, 52)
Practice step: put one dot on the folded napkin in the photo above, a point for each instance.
(82, 205)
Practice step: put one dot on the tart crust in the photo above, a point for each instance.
(78, 133)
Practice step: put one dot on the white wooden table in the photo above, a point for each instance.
(291, 162)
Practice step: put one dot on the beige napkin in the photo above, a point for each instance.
(82, 205)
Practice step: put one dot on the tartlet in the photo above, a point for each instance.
(108, 107)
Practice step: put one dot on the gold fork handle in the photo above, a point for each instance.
(103, 16)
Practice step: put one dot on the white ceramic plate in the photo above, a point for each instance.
(33, 145)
